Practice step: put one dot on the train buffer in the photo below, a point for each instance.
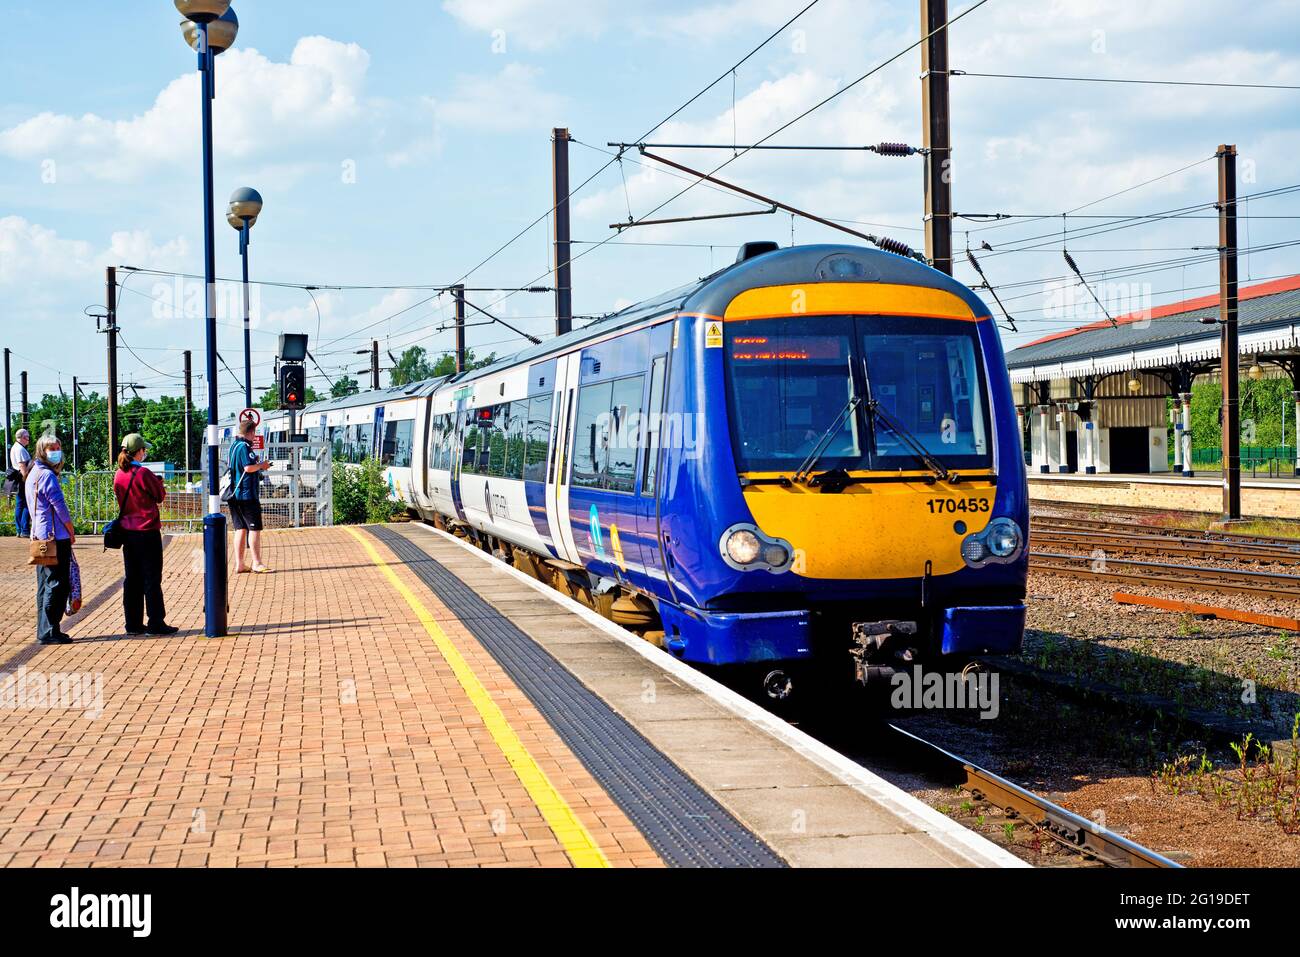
(392, 697)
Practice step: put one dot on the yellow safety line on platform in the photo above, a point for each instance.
(568, 830)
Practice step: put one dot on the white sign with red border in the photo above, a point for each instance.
(257, 442)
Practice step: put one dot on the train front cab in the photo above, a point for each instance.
(863, 480)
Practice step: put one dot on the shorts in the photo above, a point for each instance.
(246, 514)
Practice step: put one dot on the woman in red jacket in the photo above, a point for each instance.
(139, 493)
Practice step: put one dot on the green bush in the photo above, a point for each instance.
(349, 503)
(361, 494)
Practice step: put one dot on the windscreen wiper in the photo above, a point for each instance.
(909, 439)
(820, 448)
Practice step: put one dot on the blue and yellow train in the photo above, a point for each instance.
(809, 457)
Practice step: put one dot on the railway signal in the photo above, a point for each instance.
(293, 386)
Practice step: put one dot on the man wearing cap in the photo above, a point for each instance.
(139, 493)
(20, 463)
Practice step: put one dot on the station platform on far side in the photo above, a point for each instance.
(1261, 496)
(392, 697)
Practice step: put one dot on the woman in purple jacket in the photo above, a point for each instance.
(50, 519)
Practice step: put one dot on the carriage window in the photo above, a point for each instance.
(652, 426)
(591, 435)
(364, 442)
(624, 433)
(433, 459)
(397, 443)
(515, 439)
(497, 440)
(469, 457)
(539, 438)
(606, 434)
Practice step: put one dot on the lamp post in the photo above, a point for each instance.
(210, 27)
(245, 207)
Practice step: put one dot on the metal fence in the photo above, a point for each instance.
(297, 492)
(92, 502)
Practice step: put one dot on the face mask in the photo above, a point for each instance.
(56, 457)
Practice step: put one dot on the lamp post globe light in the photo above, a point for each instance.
(245, 207)
(210, 28)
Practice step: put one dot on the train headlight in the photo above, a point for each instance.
(1001, 541)
(743, 547)
(973, 550)
(1003, 537)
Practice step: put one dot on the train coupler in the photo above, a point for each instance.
(876, 642)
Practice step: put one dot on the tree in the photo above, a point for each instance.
(161, 421)
(344, 387)
(446, 365)
(411, 367)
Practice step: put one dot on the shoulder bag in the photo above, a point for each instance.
(113, 536)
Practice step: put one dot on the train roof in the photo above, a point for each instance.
(823, 262)
(711, 294)
(394, 393)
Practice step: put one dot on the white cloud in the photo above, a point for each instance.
(508, 101)
(31, 254)
(532, 24)
(261, 106)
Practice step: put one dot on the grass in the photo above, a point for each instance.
(1259, 787)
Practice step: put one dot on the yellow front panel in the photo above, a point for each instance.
(848, 298)
(873, 530)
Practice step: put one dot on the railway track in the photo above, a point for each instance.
(1059, 524)
(1194, 577)
(1076, 832)
(1132, 542)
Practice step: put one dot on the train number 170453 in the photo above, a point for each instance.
(972, 504)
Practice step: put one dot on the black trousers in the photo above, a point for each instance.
(142, 556)
(53, 585)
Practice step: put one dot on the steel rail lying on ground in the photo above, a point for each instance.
(1065, 826)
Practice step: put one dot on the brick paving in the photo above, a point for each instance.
(325, 730)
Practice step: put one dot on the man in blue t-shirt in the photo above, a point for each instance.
(246, 505)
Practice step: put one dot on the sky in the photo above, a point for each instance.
(404, 143)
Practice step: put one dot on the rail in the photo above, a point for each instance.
(1064, 826)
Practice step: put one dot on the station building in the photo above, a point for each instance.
(1095, 398)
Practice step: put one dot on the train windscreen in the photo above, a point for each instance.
(866, 390)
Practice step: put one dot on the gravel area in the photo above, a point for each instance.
(1075, 627)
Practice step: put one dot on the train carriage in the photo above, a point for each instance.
(809, 457)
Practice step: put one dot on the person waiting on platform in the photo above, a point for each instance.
(20, 464)
(246, 503)
(50, 520)
(139, 493)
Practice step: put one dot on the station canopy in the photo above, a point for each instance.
(1268, 316)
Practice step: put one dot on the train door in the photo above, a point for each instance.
(603, 448)
(557, 489)
(653, 429)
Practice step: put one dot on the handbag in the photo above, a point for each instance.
(43, 552)
(113, 530)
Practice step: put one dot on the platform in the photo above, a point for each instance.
(392, 697)
(1202, 492)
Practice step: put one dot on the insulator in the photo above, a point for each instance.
(1069, 261)
(970, 256)
(895, 247)
(894, 149)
